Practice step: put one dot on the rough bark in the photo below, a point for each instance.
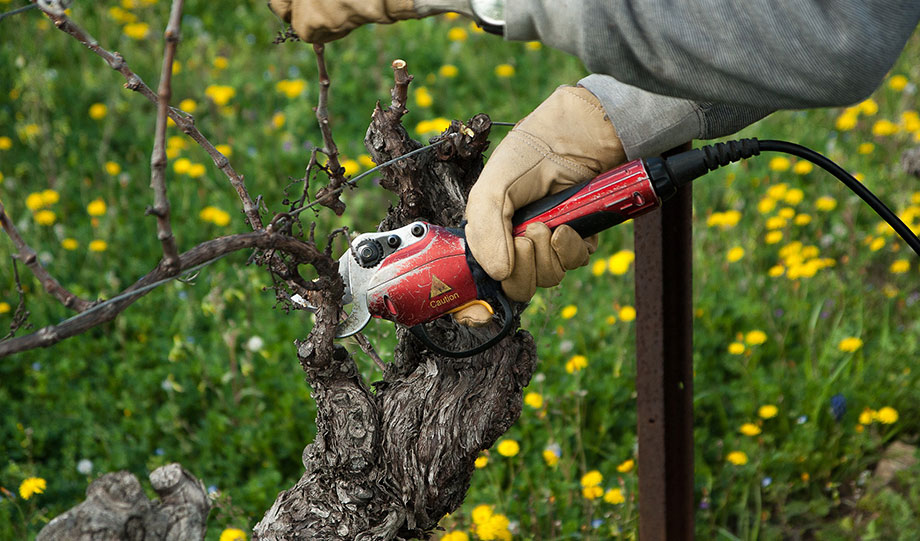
(389, 463)
(116, 509)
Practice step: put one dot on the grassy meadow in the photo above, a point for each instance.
(807, 320)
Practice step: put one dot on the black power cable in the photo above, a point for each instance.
(686, 166)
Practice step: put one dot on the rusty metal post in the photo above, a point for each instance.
(664, 379)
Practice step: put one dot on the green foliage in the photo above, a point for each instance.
(204, 373)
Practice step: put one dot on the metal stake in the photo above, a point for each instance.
(664, 379)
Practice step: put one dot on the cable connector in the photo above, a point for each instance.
(692, 164)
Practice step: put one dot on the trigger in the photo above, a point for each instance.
(476, 313)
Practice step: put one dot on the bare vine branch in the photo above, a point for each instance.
(158, 158)
(328, 194)
(183, 120)
(28, 256)
(206, 251)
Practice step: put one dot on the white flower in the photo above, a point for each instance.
(85, 466)
(255, 343)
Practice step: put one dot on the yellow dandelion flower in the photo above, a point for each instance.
(221, 62)
(98, 245)
(802, 219)
(96, 207)
(773, 237)
(883, 127)
(5, 307)
(626, 466)
(887, 415)
(779, 163)
(182, 166)
(614, 496)
(736, 348)
(50, 197)
(475, 28)
(366, 161)
(550, 457)
(592, 479)
(481, 462)
(34, 201)
(5, 143)
(136, 30)
(233, 534)
(508, 448)
(448, 71)
(534, 400)
(805, 477)
(98, 111)
(802, 167)
(794, 196)
(910, 121)
(569, 311)
(866, 148)
(619, 262)
(291, 87)
(188, 105)
(776, 222)
(423, 98)
(599, 267)
(900, 266)
(533, 45)
(627, 313)
(504, 70)
(826, 203)
(735, 254)
(755, 337)
(610, 320)
(868, 107)
(456, 34)
(877, 244)
(592, 493)
(576, 364)
(45, 217)
(738, 458)
(278, 120)
(867, 416)
(846, 121)
(220, 94)
(766, 205)
(767, 411)
(776, 270)
(226, 150)
(112, 168)
(196, 170)
(749, 429)
(481, 514)
(32, 486)
(850, 344)
(70, 244)
(456, 535)
(897, 83)
(494, 529)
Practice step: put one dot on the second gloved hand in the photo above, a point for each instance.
(568, 139)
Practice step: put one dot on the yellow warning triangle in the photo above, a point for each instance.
(438, 287)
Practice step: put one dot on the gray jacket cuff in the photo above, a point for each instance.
(649, 124)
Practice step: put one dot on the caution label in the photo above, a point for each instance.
(438, 287)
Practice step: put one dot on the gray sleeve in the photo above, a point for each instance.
(776, 54)
(649, 124)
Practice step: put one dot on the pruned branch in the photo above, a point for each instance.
(28, 256)
(158, 157)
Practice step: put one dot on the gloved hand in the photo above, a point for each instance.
(568, 139)
(319, 21)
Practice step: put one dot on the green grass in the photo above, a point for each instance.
(174, 378)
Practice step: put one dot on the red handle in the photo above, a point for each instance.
(598, 204)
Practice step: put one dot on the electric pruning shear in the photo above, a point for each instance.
(420, 272)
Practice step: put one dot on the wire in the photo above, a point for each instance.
(850, 181)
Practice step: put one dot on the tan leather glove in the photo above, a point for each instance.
(568, 139)
(319, 21)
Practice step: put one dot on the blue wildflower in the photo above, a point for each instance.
(838, 406)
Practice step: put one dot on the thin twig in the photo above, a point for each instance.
(158, 157)
(336, 177)
(183, 120)
(28, 256)
(20, 315)
(368, 348)
(17, 10)
(400, 92)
